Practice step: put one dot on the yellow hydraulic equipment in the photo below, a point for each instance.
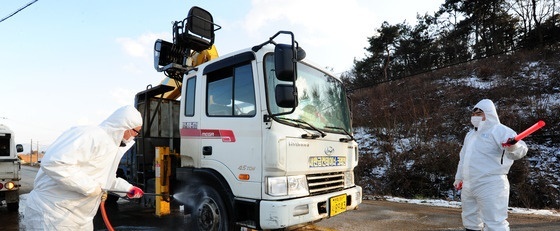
(163, 175)
(205, 56)
(195, 59)
(176, 92)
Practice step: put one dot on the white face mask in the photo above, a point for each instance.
(476, 120)
(124, 142)
(127, 141)
(130, 139)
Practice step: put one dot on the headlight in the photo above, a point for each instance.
(290, 185)
(348, 179)
(10, 185)
(297, 186)
(277, 186)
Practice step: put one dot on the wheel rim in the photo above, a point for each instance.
(209, 218)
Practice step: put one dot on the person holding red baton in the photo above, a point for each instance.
(485, 159)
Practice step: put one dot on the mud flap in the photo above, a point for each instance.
(12, 196)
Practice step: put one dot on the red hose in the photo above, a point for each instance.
(104, 213)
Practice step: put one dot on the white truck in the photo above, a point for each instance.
(10, 167)
(258, 138)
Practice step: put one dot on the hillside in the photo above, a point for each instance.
(411, 130)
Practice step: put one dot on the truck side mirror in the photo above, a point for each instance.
(286, 96)
(19, 148)
(285, 61)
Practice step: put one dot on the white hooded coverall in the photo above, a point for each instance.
(82, 161)
(483, 168)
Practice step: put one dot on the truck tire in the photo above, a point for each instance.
(13, 207)
(210, 212)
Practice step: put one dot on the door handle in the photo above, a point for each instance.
(207, 150)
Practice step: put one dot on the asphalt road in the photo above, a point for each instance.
(372, 215)
(385, 215)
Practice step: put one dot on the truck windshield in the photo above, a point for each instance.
(321, 98)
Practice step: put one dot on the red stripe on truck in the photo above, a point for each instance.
(225, 135)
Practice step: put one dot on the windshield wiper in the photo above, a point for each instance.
(299, 122)
(346, 132)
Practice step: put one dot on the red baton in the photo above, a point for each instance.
(524, 134)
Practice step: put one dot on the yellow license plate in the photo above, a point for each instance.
(326, 161)
(337, 205)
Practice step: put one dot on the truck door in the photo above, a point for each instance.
(231, 125)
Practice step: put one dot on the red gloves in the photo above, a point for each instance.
(458, 184)
(135, 192)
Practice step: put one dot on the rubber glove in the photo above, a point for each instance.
(458, 184)
(135, 192)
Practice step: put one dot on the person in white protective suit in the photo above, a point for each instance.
(483, 167)
(77, 168)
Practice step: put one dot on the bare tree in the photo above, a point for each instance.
(532, 13)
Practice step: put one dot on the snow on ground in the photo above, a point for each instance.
(457, 204)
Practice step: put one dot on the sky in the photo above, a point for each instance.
(66, 63)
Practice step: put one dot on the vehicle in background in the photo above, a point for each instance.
(10, 167)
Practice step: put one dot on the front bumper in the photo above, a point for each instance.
(283, 214)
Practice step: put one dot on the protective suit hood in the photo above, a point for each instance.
(487, 106)
(122, 119)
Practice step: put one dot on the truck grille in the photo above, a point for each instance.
(325, 182)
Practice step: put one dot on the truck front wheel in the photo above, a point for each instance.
(210, 211)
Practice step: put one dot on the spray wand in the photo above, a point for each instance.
(145, 194)
(166, 196)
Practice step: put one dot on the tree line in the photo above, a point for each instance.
(459, 31)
